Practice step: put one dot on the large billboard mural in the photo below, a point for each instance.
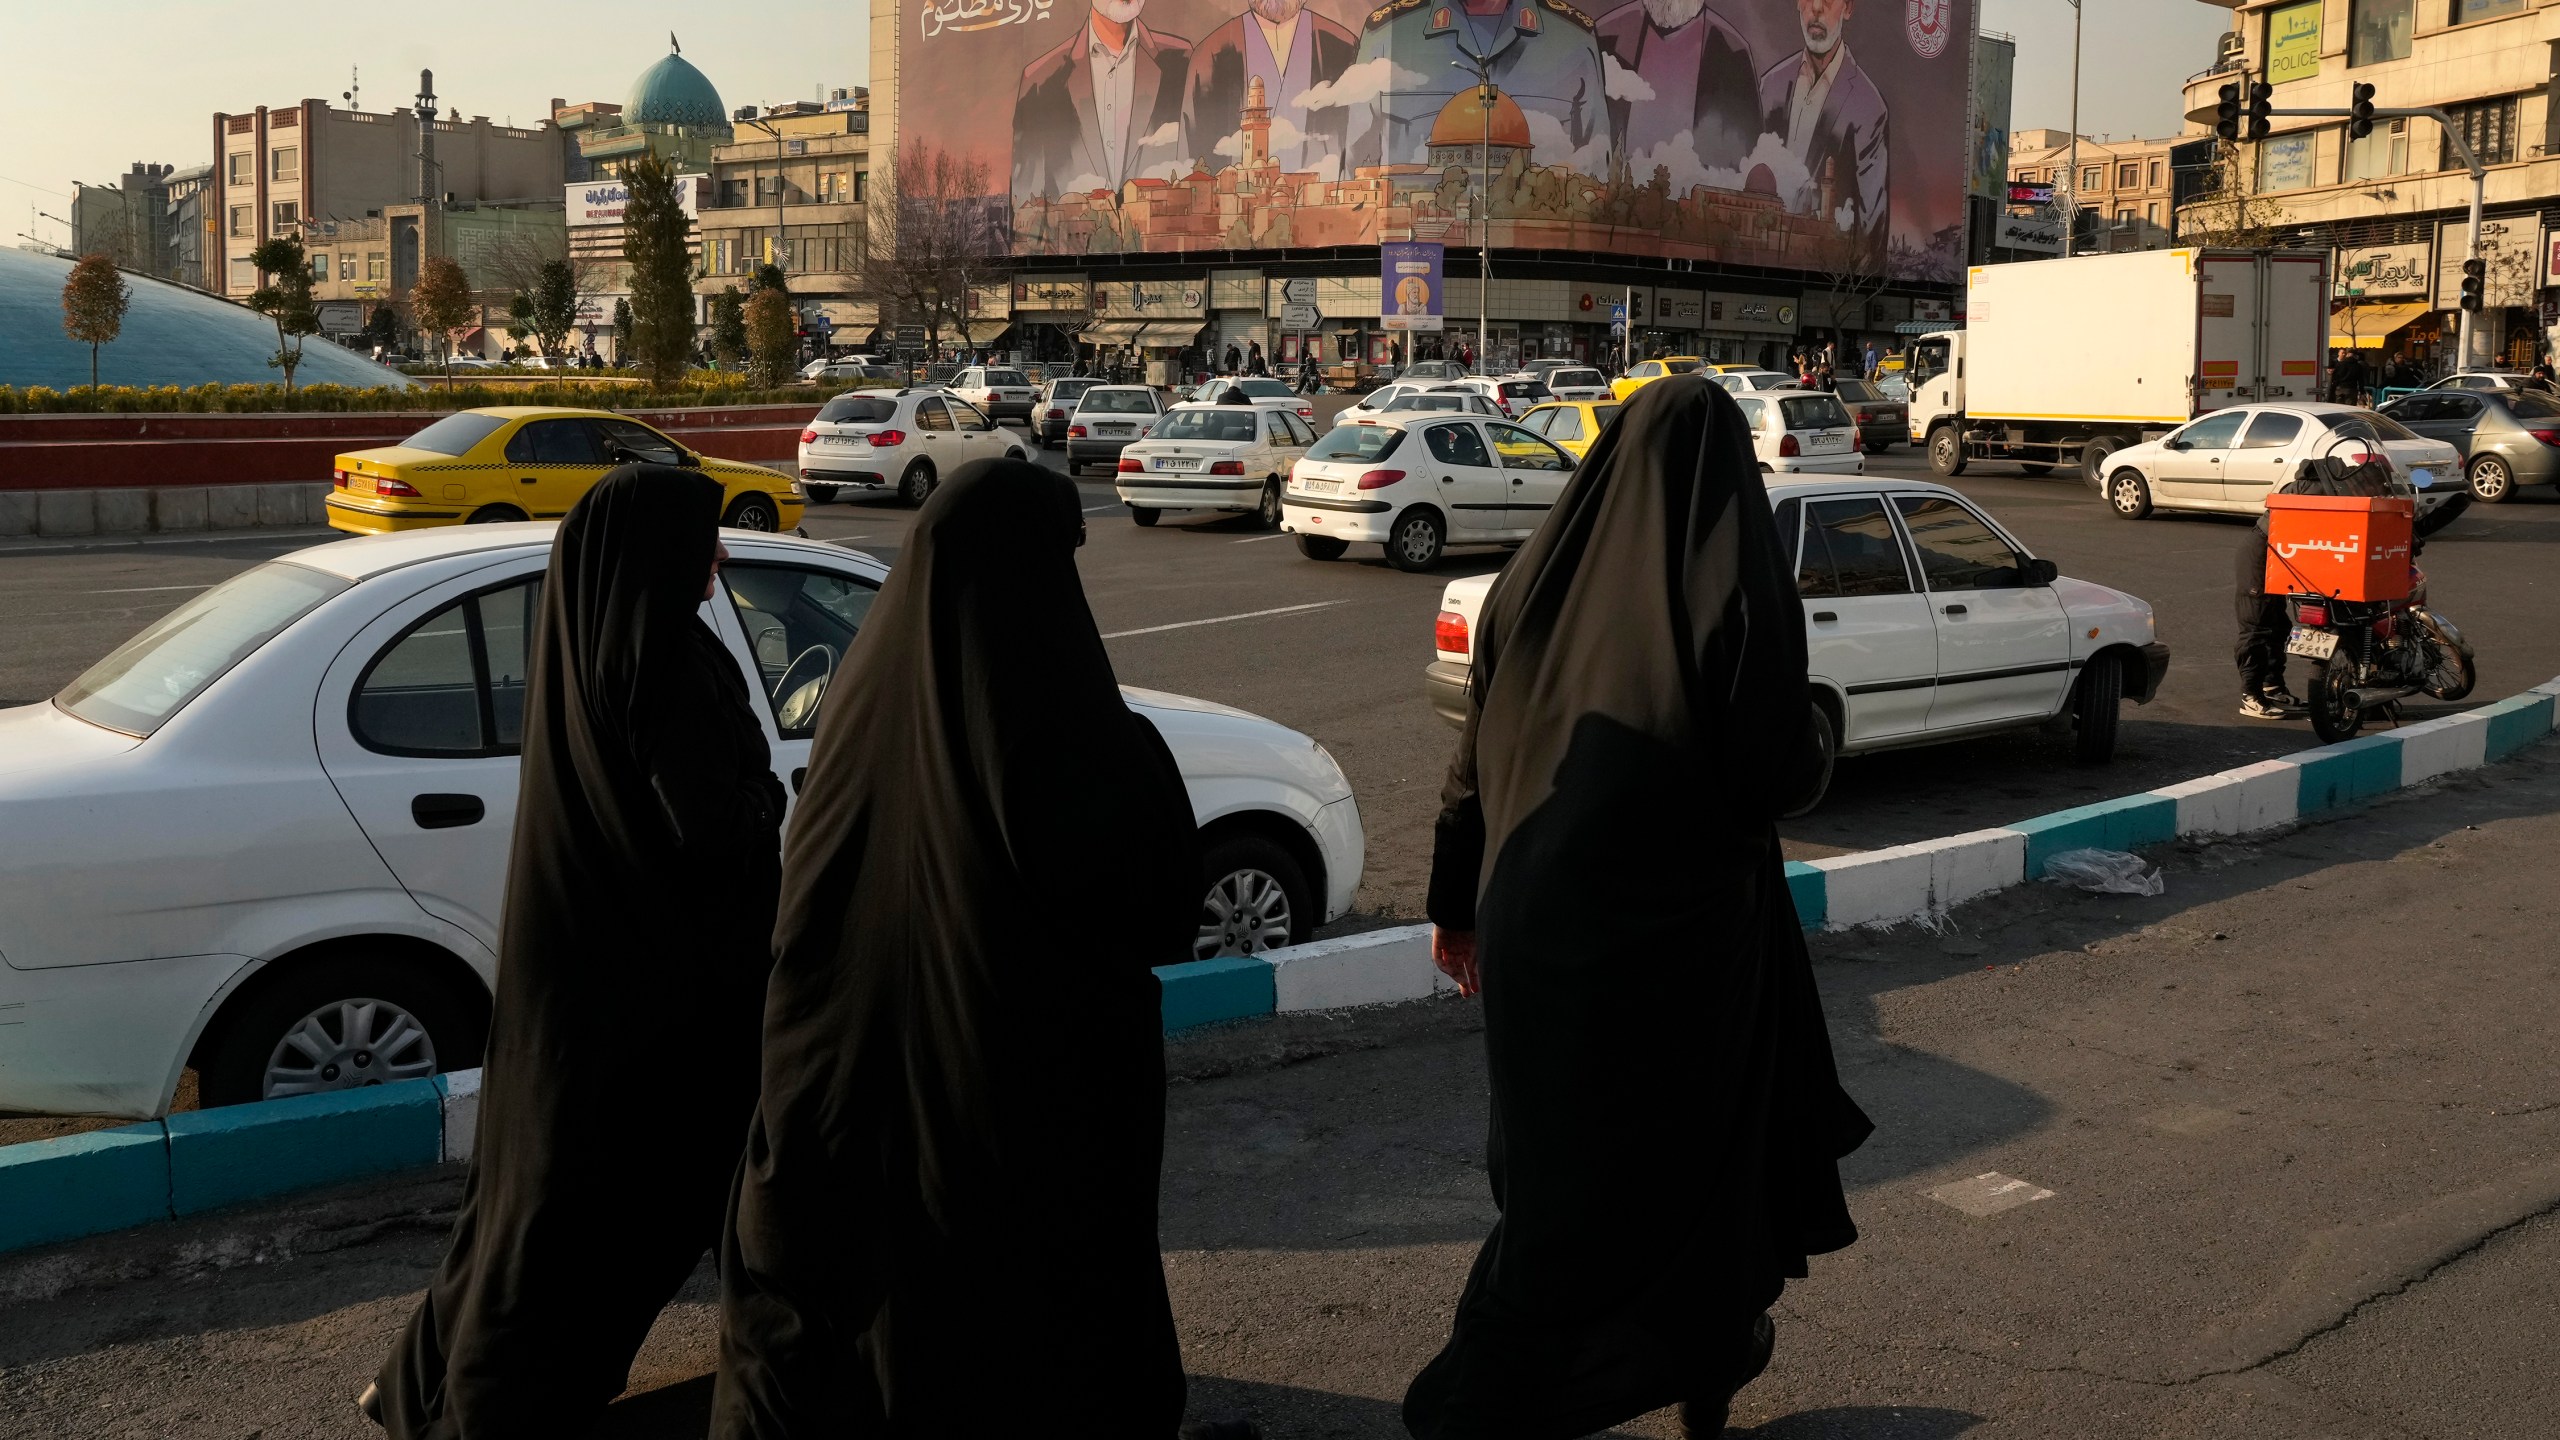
(1808, 134)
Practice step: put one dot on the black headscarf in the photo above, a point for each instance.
(640, 895)
(1666, 1116)
(948, 1205)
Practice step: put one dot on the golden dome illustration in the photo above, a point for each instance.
(1462, 122)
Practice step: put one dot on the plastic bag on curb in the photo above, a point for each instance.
(2107, 872)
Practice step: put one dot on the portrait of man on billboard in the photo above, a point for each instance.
(1540, 52)
(1832, 118)
(1676, 67)
(1291, 49)
(1102, 108)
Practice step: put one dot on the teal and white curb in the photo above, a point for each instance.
(190, 1163)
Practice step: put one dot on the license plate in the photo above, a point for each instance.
(1323, 487)
(836, 440)
(1110, 429)
(2311, 644)
(1166, 463)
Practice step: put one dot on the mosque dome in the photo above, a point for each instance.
(1463, 122)
(172, 336)
(673, 92)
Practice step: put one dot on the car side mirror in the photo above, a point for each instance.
(688, 459)
(2042, 572)
(2178, 445)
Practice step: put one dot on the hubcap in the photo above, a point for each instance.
(1417, 541)
(1245, 914)
(2490, 478)
(346, 1044)
(755, 517)
(2128, 495)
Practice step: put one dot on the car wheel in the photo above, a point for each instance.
(1946, 451)
(2129, 495)
(818, 494)
(2096, 704)
(2093, 460)
(1255, 899)
(752, 511)
(2035, 468)
(337, 1023)
(1826, 744)
(1016, 454)
(1144, 515)
(495, 515)
(1322, 547)
(1416, 542)
(1267, 514)
(2492, 481)
(917, 483)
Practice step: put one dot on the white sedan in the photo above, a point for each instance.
(1978, 636)
(267, 837)
(1802, 431)
(1260, 389)
(1578, 383)
(2230, 460)
(997, 390)
(1406, 399)
(1419, 483)
(1213, 457)
(905, 440)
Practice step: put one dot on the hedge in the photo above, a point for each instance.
(243, 399)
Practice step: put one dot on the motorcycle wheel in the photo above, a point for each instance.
(2452, 675)
(2332, 718)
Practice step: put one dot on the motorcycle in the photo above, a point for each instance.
(2368, 655)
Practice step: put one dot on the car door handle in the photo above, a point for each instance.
(1955, 610)
(446, 812)
(527, 480)
(1519, 482)
(1448, 479)
(1826, 617)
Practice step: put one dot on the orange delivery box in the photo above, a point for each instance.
(2347, 547)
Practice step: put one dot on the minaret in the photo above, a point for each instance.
(1257, 126)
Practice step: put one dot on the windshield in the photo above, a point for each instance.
(1517, 388)
(455, 434)
(1680, 367)
(1264, 389)
(150, 676)
(1208, 425)
(1070, 389)
(858, 410)
(1583, 379)
(1812, 412)
(1928, 362)
(1432, 402)
(1357, 442)
(1116, 402)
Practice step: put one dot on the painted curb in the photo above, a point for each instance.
(238, 1153)
(75, 1185)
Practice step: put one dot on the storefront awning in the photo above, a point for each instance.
(1926, 327)
(1171, 334)
(2363, 327)
(1111, 332)
(986, 332)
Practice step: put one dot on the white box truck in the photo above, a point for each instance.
(2065, 362)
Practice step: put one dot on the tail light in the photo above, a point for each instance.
(808, 435)
(1857, 442)
(1076, 432)
(338, 478)
(2547, 437)
(398, 489)
(1378, 479)
(1308, 412)
(1449, 632)
(2313, 615)
(1226, 467)
(1788, 449)
(886, 439)
(1129, 466)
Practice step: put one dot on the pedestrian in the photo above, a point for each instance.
(1253, 364)
(639, 909)
(1875, 362)
(2350, 379)
(946, 1220)
(1666, 1114)
(1235, 359)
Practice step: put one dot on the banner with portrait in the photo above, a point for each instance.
(1409, 284)
(1816, 135)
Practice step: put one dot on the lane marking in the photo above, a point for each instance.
(1224, 619)
(1258, 539)
(145, 589)
(1098, 509)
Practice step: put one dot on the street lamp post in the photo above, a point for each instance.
(2071, 220)
(1483, 70)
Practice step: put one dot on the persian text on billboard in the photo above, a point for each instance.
(600, 202)
(1807, 134)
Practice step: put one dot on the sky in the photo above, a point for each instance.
(97, 85)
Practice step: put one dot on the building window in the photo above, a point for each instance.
(243, 222)
(2124, 215)
(861, 185)
(2379, 30)
(320, 267)
(2155, 175)
(2381, 154)
(2490, 126)
(2284, 161)
(243, 169)
(2466, 11)
(733, 194)
(831, 187)
(2151, 212)
(288, 213)
(285, 164)
(347, 265)
(244, 276)
(377, 265)
(2129, 175)
(2092, 177)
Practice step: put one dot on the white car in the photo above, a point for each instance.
(267, 837)
(817, 369)
(1579, 383)
(2229, 460)
(1403, 395)
(997, 390)
(905, 440)
(1806, 431)
(1419, 483)
(1510, 397)
(1213, 457)
(1979, 636)
(2494, 380)
(1106, 419)
(1743, 382)
(1260, 389)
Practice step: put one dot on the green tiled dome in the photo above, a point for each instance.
(672, 92)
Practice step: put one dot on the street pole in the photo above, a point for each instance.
(2071, 220)
(1483, 71)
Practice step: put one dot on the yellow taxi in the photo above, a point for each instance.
(1644, 371)
(1572, 424)
(529, 462)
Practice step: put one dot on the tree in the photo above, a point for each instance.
(768, 276)
(93, 305)
(728, 327)
(772, 335)
(442, 302)
(1852, 266)
(934, 234)
(553, 311)
(285, 298)
(654, 230)
(383, 328)
(2227, 210)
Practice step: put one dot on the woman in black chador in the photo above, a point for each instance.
(1666, 1118)
(946, 1221)
(640, 899)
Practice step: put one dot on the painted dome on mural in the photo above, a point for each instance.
(672, 92)
(1463, 121)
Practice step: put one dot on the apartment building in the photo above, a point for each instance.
(789, 188)
(2392, 207)
(2123, 188)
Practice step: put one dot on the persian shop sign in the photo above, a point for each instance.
(2293, 42)
(2382, 270)
(601, 202)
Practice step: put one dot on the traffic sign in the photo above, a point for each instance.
(910, 334)
(1299, 291)
(1618, 314)
(1300, 317)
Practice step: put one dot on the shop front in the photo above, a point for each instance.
(1149, 330)
(1048, 313)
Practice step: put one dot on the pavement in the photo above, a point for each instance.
(2270, 1155)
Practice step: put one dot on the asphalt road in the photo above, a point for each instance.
(2296, 1118)
(1214, 608)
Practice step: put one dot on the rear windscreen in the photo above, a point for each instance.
(1357, 442)
(858, 410)
(1209, 425)
(455, 434)
(1116, 402)
(1812, 412)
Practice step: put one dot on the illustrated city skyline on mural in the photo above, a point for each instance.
(1809, 134)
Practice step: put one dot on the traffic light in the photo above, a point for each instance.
(2360, 111)
(2475, 278)
(2226, 113)
(2261, 100)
